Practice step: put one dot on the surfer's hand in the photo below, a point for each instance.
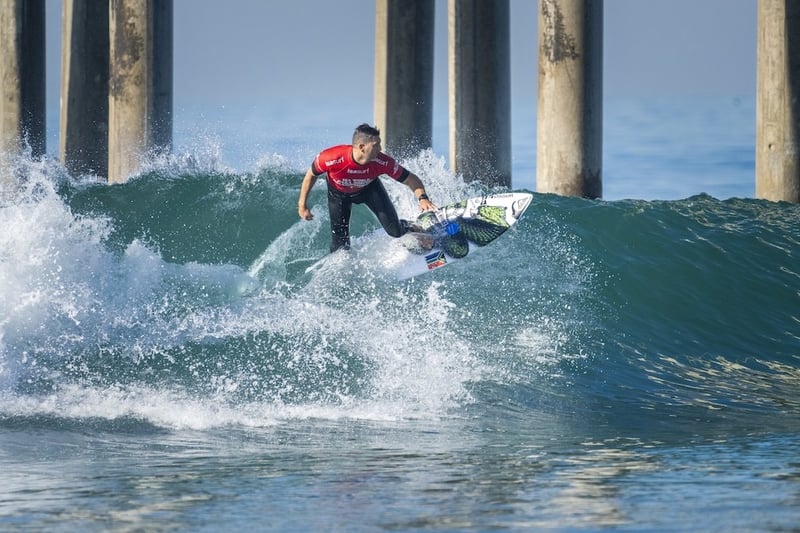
(305, 213)
(427, 205)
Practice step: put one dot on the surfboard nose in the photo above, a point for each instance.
(521, 204)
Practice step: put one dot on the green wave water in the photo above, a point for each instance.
(180, 352)
(193, 285)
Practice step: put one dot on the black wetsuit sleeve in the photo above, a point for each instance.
(403, 176)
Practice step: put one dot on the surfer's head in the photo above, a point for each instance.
(366, 143)
(365, 133)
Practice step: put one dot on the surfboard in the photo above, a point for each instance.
(443, 237)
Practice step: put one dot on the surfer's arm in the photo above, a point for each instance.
(415, 184)
(308, 182)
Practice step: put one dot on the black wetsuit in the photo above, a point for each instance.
(376, 198)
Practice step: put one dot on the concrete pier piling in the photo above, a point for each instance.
(404, 73)
(569, 136)
(140, 83)
(778, 101)
(22, 74)
(480, 90)
(83, 138)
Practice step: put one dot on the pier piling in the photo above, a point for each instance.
(480, 90)
(83, 138)
(404, 73)
(778, 101)
(140, 83)
(569, 136)
(22, 74)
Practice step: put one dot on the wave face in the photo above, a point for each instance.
(184, 298)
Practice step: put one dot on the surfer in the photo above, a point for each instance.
(352, 176)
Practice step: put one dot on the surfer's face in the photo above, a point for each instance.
(372, 149)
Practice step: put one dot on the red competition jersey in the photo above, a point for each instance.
(347, 176)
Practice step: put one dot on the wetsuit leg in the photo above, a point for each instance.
(339, 207)
(377, 199)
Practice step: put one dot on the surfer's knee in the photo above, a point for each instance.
(395, 228)
(408, 226)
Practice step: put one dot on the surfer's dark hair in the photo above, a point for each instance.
(365, 133)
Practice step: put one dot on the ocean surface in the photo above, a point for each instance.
(167, 363)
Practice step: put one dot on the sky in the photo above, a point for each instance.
(313, 55)
(298, 49)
